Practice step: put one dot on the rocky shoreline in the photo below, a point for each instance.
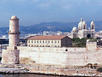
(47, 70)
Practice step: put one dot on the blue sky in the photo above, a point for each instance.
(37, 11)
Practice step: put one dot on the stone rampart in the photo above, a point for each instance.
(61, 56)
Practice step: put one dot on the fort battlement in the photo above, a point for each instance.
(65, 56)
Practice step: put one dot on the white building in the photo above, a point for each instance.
(82, 31)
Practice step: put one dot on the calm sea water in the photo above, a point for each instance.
(27, 75)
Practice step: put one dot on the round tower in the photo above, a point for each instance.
(14, 31)
(11, 55)
(84, 25)
(74, 32)
(92, 25)
(74, 29)
(80, 24)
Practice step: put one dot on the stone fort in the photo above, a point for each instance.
(62, 56)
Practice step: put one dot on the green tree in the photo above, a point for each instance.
(77, 42)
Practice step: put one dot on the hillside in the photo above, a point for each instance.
(52, 26)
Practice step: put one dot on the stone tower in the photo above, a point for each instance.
(14, 31)
(11, 55)
(92, 25)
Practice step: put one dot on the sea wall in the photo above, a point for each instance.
(61, 56)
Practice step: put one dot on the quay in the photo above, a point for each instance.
(49, 70)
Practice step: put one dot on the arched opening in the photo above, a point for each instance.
(95, 65)
(88, 36)
(89, 65)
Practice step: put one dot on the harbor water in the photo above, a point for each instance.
(31, 75)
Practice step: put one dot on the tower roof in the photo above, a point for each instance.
(81, 24)
(92, 22)
(14, 17)
(74, 29)
(81, 19)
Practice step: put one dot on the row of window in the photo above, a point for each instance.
(44, 41)
(43, 46)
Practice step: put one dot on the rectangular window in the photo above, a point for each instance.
(40, 41)
(58, 41)
(35, 41)
(45, 41)
(48, 41)
(55, 41)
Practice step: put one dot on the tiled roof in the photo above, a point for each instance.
(49, 37)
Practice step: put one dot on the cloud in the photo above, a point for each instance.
(62, 4)
(44, 5)
(37, 10)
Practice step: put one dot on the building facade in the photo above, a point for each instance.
(49, 41)
(82, 31)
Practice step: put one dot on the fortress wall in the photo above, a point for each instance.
(59, 56)
(53, 49)
(91, 46)
(95, 57)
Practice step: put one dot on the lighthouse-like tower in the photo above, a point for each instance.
(14, 31)
(11, 55)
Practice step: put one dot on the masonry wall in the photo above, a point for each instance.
(61, 56)
(91, 46)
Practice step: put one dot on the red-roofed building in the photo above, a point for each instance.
(49, 41)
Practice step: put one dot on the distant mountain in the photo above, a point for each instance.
(51, 26)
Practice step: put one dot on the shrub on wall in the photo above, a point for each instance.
(99, 69)
(77, 42)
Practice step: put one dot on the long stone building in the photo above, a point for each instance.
(49, 41)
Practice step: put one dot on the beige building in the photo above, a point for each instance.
(49, 41)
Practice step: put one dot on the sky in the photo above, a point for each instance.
(37, 11)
